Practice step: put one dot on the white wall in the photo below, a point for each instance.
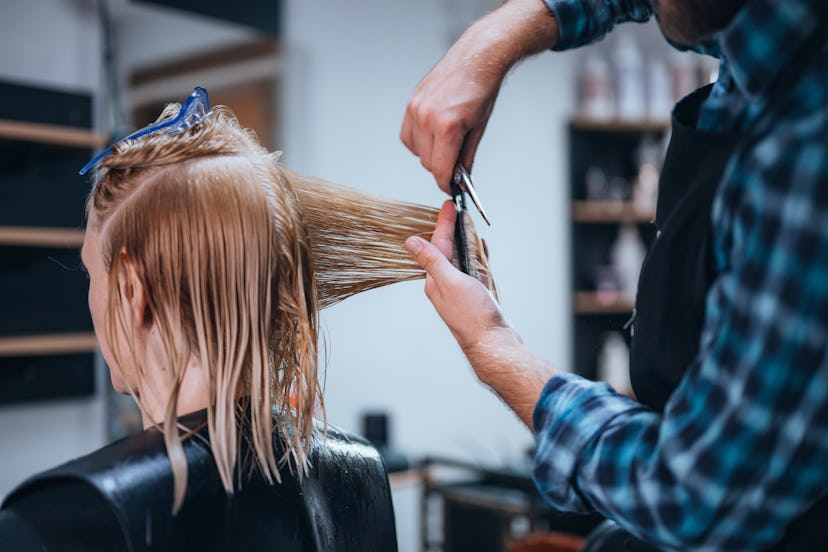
(350, 69)
(54, 44)
(147, 33)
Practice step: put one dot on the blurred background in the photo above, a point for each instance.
(567, 170)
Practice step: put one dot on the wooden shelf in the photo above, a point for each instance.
(592, 302)
(41, 237)
(55, 344)
(620, 125)
(51, 134)
(609, 212)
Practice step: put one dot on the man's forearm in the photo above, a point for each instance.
(517, 376)
(514, 31)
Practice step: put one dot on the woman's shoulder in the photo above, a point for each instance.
(104, 492)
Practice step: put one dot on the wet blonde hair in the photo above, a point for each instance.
(236, 253)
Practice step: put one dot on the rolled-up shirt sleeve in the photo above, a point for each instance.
(570, 413)
(583, 21)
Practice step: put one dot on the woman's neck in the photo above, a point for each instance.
(192, 396)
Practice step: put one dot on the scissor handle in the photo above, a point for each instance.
(459, 228)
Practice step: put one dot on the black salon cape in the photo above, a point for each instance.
(120, 498)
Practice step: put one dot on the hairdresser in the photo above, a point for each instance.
(726, 446)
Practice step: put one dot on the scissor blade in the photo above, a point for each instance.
(464, 180)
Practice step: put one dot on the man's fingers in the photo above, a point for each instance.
(443, 237)
(423, 144)
(469, 149)
(447, 144)
(430, 259)
(406, 132)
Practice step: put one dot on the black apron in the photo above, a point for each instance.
(679, 268)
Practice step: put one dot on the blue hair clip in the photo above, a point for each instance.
(194, 110)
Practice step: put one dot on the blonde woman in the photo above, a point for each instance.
(203, 255)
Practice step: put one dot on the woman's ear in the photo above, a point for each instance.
(133, 292)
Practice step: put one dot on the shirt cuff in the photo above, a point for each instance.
(570, 413)
(583, 21)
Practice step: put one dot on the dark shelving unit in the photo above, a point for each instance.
(612, 146)
(47, 342)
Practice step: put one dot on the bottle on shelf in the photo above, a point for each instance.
(685, 74)
(645, 189)
(618, 191)
(597, 98)
(614, 363)
(607, 285)
(627, 256)
(629, 75)
(596, 184)
(659, 91)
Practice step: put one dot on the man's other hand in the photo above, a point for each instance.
(448, 112)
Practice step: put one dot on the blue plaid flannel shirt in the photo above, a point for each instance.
(742, 446)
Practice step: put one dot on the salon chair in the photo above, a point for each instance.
(120, 498)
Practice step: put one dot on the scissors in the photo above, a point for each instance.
(461, 185)
(463, 181)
